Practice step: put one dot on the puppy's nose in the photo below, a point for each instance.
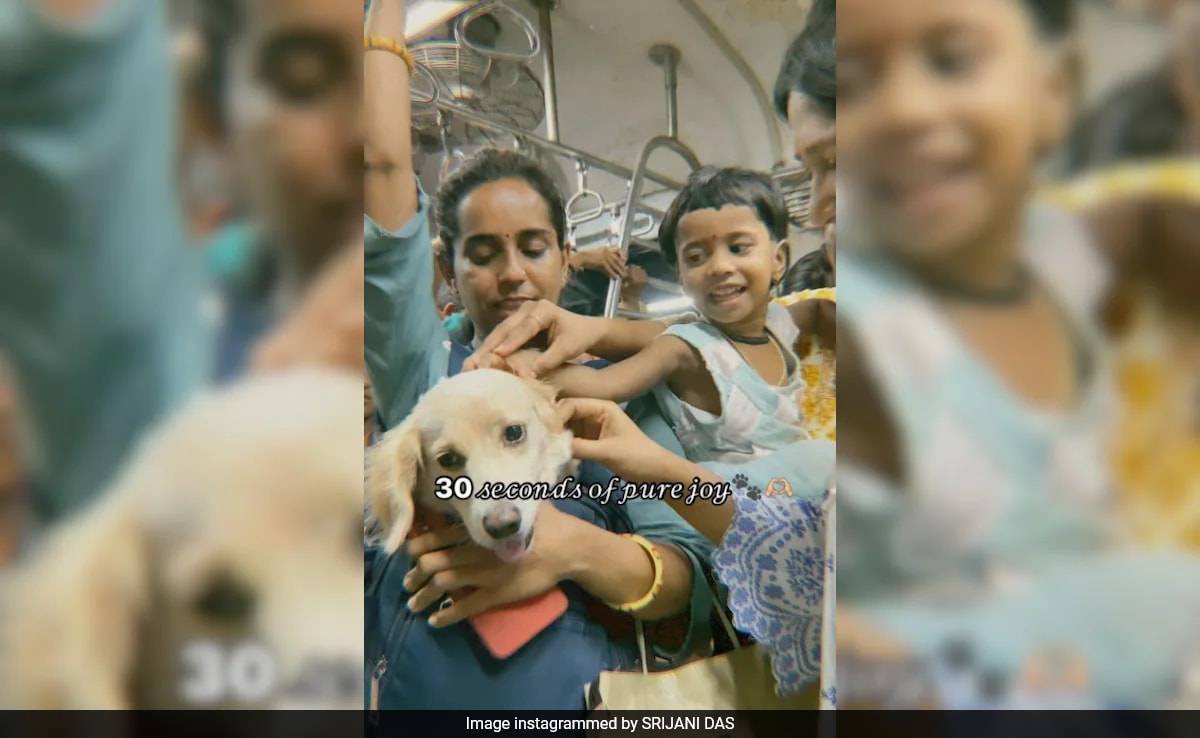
(502, 523)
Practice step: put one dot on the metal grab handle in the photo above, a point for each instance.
(644, 230)
(489, 8)
(433, 85)
(613, 300)
(586, 216)
(574, 218)
(452, 160)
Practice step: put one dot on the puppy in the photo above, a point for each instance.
(483, 427)
(221, 569)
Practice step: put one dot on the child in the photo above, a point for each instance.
(974, 380)
(730, 382)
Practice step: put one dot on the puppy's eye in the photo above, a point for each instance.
(226, 600)
(514, 434)
(451, 460)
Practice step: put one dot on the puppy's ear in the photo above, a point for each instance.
(545, 397)
(69, 618)
(560, 451)
(393, 467)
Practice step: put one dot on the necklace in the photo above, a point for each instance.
(1013, 293)
(768, 338)
(762, 340)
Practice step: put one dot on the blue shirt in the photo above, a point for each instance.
(99, 289)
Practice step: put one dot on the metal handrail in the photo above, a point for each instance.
(637, 182)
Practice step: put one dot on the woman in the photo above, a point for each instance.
(500, 220)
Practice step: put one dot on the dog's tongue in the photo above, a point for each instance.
(511, 550)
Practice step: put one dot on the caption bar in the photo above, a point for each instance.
(463, 488)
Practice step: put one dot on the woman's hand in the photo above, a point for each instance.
(447, 560)
(567, 336)
(606, 435)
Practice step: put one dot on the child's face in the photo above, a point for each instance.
(943, 106)
(728, 263)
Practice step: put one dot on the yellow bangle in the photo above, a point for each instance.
(388, 44)
(656, 586)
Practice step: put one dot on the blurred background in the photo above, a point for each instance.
(1128, 165)
(167, 204)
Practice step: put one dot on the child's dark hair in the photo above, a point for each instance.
(714, 188)
(810, 272)
(1055, 19)
(810, 63)
(493, 165)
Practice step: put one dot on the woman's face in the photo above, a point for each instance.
(816, 146)
(507, 255)
(815, 138)
(296, 122)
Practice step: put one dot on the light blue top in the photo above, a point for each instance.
(1000, 531)
(756, 418)
(99, 291)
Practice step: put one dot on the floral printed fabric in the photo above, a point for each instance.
(1157, 459)
(776, 561)
(818, 369)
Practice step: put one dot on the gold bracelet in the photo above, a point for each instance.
(656, 586)
(389, 44)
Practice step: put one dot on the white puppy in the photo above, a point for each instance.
(221, 569)
(486, 426)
